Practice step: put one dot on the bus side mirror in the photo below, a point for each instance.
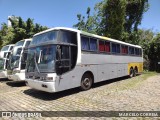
(58, 53)
(58, 65)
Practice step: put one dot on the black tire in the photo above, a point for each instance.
(86, 82)
(131, 73)
(136, 71)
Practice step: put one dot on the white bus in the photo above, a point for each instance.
(63, 58)
(6, 49)
(4, 62)
(17, 61)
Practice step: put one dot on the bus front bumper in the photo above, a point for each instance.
(41, 85)
(17, 77)
(3, 74)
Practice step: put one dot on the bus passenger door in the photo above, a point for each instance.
(64, 65)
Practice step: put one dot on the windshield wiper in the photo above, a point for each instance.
(40, 54)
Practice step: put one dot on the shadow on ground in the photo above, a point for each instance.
(53, 96)
(16, 83)
(4, 80)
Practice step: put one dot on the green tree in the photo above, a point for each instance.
(19, 30)
(29, 27)
(88, 25)
(117, 19)
(134, 13)
(153, 55)
(114, 18)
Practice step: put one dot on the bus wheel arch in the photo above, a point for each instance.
(87, 80)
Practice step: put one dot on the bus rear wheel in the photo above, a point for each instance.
(136, 71)
(86, 82)
(132, 73)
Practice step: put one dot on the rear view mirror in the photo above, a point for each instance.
(58, 53)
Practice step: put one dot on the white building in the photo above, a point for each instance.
(11, 17)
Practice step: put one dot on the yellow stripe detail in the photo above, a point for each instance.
(139, 65)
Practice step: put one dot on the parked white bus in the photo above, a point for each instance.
(63, 58)
(6, 49)
(4, 62)
(17, 61)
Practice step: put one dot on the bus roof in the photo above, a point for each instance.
(10, 45)
(29, 39)
(88, 34)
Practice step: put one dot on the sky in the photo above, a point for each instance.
(63, 13)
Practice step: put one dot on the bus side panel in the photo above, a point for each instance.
(73, 78)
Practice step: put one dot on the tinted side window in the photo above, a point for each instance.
(115, 48)
(131, 50)
(101, 46)
(93, 44)
(68, 37)
(107, 46)
(84, 43)
(27, 43)
(124, 49)
(11, 47)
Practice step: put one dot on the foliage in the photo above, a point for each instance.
(118, 19)
(153, 54)
(113, 13)
(86, 25)
(20, 30)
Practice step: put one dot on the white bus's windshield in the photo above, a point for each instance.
(41, 59)
(42, 52)
(5, 48)
(45, 37)
(15, 57)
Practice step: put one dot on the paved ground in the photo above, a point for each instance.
(116, 95)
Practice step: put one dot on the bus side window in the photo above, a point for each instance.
(124, 49)
(27, 43)
(101, 46)
(93, 44)
(131, 50)
(84, 43)
(107, 47)
(11, 47)
(115, 48)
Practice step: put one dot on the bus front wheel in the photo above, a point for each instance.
(86, 82)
